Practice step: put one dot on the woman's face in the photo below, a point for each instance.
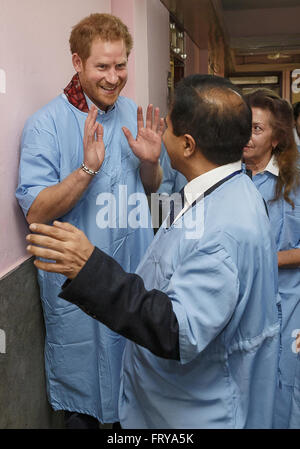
(261, 144)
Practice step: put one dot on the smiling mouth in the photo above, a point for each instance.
(109, 89)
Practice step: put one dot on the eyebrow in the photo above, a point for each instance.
(125, 61)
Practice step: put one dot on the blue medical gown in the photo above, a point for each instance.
(223, 287)
(83, 357)
(285, 225)
(173, 181)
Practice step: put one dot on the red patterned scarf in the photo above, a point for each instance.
(75, 95)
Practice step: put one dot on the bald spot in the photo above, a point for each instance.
(222, 100)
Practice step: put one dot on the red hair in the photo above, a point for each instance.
(98, 26)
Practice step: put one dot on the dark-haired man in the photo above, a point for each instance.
(200, 314)
(67, 174)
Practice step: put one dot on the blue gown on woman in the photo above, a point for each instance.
(285, 225)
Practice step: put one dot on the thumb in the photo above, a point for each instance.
(128, 135)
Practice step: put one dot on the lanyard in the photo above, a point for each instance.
(206, 193)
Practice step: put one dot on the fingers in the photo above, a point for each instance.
(128, 136)
(99, 132)
(153, 120)
(45, 242)
(91, 133)
(91, 124)
(44, 253)
(57, 267)
(66, 226)
(140, 118)
(161, 127)
(50, 267)
(156, 120)
(92, 115)
(149, 116)
(49, 241)
(91, 118)
(62, 243)
(56, 232)
(51, 237)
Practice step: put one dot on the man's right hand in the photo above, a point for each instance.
(93, 145)
(56, 200)
(63, 243)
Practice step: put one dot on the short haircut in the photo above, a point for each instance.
(107, 27)
(296, 110)
(211, 109)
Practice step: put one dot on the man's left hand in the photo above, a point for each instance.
(147, 144)
(62, 243)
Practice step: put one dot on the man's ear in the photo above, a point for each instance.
(77, 62)
(189, 145)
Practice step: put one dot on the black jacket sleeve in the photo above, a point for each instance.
(119, 300)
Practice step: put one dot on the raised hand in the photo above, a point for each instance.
(63, 243)
(147, 144)
(93, 146)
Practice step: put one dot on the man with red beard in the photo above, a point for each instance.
(73, 150)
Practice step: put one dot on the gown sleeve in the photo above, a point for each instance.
(119, 300)
(205, 292)
(39, 164)
(177, 324)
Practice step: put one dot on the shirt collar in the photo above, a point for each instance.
(272, 167)
(195, 188)
(297, 140)
(90, 104)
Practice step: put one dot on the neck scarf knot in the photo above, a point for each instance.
(75, 95)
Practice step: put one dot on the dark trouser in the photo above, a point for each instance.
(74, 420)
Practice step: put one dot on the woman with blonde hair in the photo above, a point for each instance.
(273, 158)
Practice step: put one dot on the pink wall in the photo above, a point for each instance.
(35, 56)
(149, 62)
(141, 37)
(133, 13)
(159, 54)
(125, 10)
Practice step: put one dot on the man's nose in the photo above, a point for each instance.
(112, 76)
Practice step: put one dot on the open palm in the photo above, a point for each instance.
(147, 144)
(93, 145)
